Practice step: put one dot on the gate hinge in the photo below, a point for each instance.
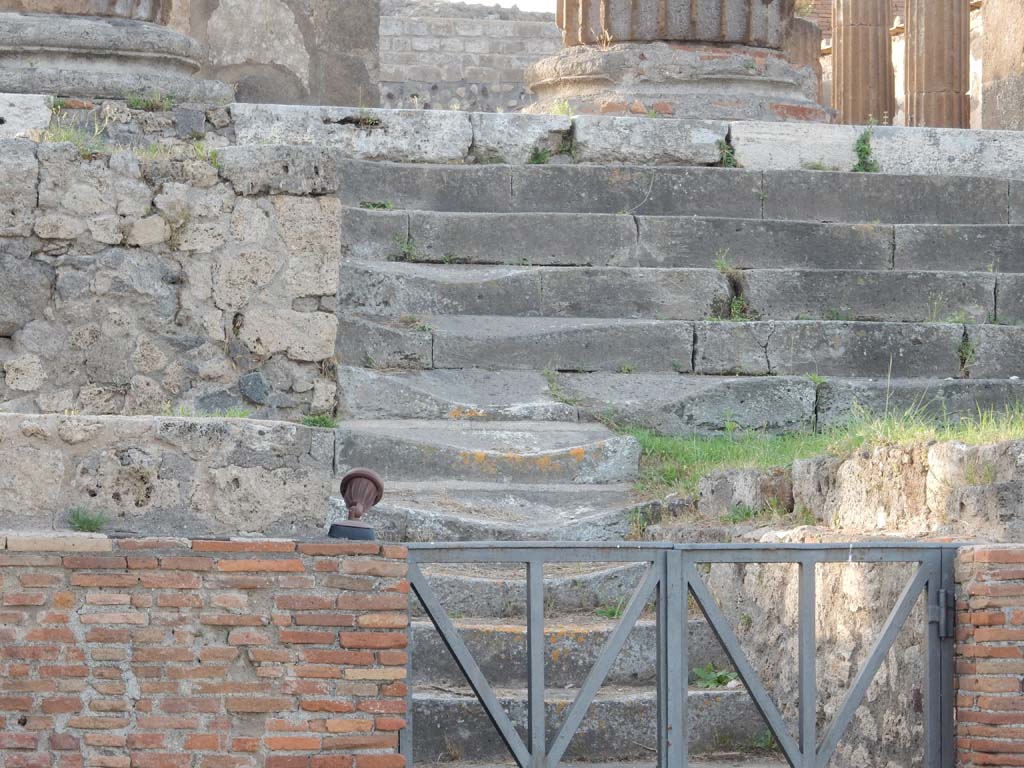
(944, 614)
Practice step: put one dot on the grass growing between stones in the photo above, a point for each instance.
(84, 521)
(676, 464)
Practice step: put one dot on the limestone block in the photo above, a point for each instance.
(151, 230)
(57, 226)
(24, 290)
(311, 230)
(106, 229)
(757, 490)
(20, 171)
(254, 500)
(292, 170)
(24, 115)
(305, 336)
(24, 373)
(518, 138)
(412, 136)
(30, 477)
(240, 273)
(644, 141)
(882, 488)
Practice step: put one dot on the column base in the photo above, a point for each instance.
(686, 80)
(93, 57)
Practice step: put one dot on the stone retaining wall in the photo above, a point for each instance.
(178, 653)
(990, 656)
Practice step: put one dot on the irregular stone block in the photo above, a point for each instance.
(406, 135)
(23, 115)
(640, 140)
(25, 291)
(310, 230)
(855, 197)
(517, 138)
(306, 336)
(292, 170)
(757, 490)
(676, 241)
(20, 172)
(863, 295)
(812, 481)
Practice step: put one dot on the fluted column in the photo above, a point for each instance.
(863, 84)
(938, 63)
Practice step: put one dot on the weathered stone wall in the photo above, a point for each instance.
(291, 51)
(1003, 65)
(178, 653)
(990, 656)
(458, 56)
(166, 475)
(139, 277)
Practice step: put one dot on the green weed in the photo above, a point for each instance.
(727, 155)
(539, 156)
(153, 101)
(385, 205)
(320, 421)
(612, 611)
(866, 162)
(84, 521)
(710, 677)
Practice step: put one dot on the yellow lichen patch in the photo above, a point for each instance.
(458, 412)
(578, 453)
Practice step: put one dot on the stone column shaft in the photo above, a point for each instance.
(863, 85)
(938, 63)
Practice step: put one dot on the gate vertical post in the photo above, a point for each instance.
(939, 746)
(537, 731)
(673, 662)
(405, 735)
(808, 651)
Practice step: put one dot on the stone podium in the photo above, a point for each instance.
(101, 49)
(720, 59)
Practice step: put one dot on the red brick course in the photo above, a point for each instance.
(990, 657)
(160, 652)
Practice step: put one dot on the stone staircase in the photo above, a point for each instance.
(491, 317)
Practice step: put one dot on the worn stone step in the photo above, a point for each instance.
(621, 724)
(576, 344)
(529, 452)
(391, 288)
(869, 295)
(571, 647)
(560, 239)
(452, 510)
(679, 191)
(469, 395)
(692, 405)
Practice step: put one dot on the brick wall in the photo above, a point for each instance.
(170, 653)
(990, 657)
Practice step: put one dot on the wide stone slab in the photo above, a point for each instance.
(676, 241)
(281, 169)
(605, 139)
(528, 239)
(450, 394)
(842, 400)
(693, 405)
(469, 188)
(571, 649)
(637, 189)
(617, 726)
(373, 234)
(869, 295)
(561, 344)
(517, 138)
(854, 349)
(398, 135)
(960, 248)
(530, 452)
(384, 342)
(872, 197)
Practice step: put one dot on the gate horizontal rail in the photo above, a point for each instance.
(670, 578)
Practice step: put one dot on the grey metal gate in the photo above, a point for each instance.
(671, 576)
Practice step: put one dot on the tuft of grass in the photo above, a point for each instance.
(406, 250)
(710, 677)
(321, 421)
(384, 205)
(676, 464)
(88, 144)
(612, 611)
(84, 521)
(202, 152)
(154, 101)
(539, 156)
(561, 108)
(739, 309)
(727, 154)
(866, 162)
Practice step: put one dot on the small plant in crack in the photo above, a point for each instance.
(710, 677)
(555, 389)
(539, 156)
(815, 379)
(413, 323)
(84, 521)
(739, 309)
(626, 368)
(724, 266)
(612, 610)
(727, 154)
(866, 162)
(371, 205)
(406, 250)
(968, 353)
